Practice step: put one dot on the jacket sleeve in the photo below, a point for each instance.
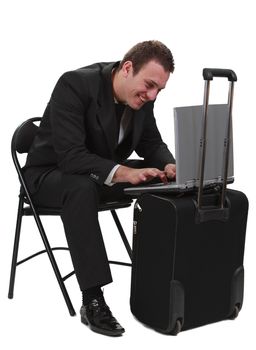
(151, 146)
(68, 106)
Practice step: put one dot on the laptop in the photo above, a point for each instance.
(188, 131)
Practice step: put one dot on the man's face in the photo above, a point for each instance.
(145, 85)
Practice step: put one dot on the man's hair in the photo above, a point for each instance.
(146, 51)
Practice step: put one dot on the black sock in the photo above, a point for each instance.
(90, 294)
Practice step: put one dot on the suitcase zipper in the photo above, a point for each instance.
(134, 227)
(137, 207)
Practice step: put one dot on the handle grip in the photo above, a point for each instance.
(210, 73)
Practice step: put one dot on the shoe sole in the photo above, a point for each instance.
(99, 330)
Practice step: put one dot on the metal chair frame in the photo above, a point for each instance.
(26, 207)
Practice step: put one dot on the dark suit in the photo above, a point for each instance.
(75, 150)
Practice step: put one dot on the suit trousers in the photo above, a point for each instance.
(79, 197)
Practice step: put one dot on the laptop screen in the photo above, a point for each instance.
(188, 131)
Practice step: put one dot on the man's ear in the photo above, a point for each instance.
(127, 68)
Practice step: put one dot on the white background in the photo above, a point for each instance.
(42, 39)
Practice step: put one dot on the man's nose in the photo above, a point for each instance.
(152, 94)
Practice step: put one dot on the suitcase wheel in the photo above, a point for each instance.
(177, 328)
(235, 312)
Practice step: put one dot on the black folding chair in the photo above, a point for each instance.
(21, 142)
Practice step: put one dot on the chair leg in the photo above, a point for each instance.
(15, 248)
(122, 234)
(53, 262)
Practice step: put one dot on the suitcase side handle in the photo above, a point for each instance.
(210, 73)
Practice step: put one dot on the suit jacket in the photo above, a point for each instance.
(78, 130)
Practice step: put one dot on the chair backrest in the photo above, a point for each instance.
(24, 135)
(22, 138)
(21, 142)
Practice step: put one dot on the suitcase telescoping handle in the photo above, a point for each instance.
(209, 74)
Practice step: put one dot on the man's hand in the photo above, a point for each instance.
(136, 176)
(170, 171)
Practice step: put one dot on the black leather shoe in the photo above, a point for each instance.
(99, 318)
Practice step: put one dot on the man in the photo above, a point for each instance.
(97, 116)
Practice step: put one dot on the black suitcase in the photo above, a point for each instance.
(188, 249)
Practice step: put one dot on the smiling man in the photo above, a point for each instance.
(96, 117)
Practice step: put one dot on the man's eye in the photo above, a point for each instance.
(149, 86)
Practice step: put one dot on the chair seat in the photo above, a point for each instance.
(124, 203)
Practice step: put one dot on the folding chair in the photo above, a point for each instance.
(21, 142)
